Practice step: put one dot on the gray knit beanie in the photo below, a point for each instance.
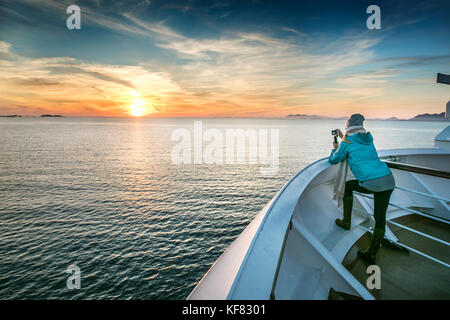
(356, 120)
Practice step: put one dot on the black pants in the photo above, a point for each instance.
(381, 201)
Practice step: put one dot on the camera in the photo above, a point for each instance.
(335, 134)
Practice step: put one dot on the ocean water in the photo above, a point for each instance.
(105, 195)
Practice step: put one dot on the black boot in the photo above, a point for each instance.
(371, 253)
(347, 221)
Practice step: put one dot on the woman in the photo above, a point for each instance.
(373, 176)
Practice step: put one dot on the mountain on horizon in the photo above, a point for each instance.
(430, 117)
(419, 117)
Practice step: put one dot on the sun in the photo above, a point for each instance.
(138, 108)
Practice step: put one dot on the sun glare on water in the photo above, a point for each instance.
(138, 108)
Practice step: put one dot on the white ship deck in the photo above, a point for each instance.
(294, 250)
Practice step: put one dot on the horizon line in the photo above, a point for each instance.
(288, 117)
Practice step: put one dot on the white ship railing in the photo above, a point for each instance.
(408, 209)
(423, 194)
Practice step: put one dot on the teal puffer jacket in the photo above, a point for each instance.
(362, 157)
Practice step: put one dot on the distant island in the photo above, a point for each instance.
(51, 115)
(19, 116)
(392, 119)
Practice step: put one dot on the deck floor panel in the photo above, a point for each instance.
(407, 275)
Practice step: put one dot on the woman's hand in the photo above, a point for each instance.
(339, 132)
(335, 145)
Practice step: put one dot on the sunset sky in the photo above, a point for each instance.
(223, 58)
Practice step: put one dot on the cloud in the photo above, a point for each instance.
(157, 30)
(225, 14)
(234, 74)
(414, 61)
(5, 51)
(34, 82)
(301, 34)
(66, 85)
(369, 78)
(181, 7)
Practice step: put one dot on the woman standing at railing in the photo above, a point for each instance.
(372, 176)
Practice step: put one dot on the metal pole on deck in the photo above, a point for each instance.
(445, 79)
